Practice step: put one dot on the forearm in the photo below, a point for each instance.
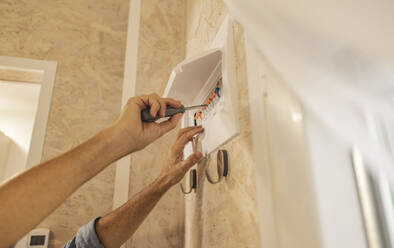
(118, 226)
(41, 189)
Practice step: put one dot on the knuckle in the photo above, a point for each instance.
(194, 158)
(184, 137)
(191, 162)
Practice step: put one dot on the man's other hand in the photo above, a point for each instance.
(175, 167)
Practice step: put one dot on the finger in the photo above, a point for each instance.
(180, 143)
(151, 101)
(191, 160)
(144, 100)
(139, 101)
(184, 130)
(163, 107)
(154, 105)
(172, 102)
(170, 124)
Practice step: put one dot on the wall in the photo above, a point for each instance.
(338, 205)
(337, 69)
(87, 38)
(225, 214)
(161, 47)
(293, 191)
(314, 196)
(18, 106)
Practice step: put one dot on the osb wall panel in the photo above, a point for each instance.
(224, 214)
(87, 39)
(161, 47)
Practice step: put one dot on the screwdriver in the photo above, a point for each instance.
(170, 111)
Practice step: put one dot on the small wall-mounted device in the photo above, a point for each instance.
(37, 238)
(209, 78)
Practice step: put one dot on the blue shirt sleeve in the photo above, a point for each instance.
(86, 237)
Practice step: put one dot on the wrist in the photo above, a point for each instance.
(117, 145)
(162, 184)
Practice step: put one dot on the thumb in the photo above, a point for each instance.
(191, 160)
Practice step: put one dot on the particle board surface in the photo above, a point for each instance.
(87, 39)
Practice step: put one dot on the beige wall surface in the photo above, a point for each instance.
(161, 47)
(88, 39)
(224, 214)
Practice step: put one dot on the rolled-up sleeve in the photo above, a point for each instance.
(86, 237)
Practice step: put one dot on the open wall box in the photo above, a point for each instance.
(209, 78)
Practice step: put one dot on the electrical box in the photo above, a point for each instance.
(209, 78)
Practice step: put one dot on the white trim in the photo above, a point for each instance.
(387, 207)
(366, 195)
(122, 176)
(40, 124)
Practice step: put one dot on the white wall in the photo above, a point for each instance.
(18, 107)
(338, 57)
(304, 169)
(340, 216)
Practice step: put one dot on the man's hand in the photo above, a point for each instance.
(175, 167)
(119, 225)
(131, 134)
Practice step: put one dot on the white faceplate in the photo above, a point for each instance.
(192, 81)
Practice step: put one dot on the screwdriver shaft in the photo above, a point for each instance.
(196, 106)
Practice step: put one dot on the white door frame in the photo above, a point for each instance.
(122, 175)
(48, 69)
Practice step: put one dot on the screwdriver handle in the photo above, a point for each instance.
(170, 111)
